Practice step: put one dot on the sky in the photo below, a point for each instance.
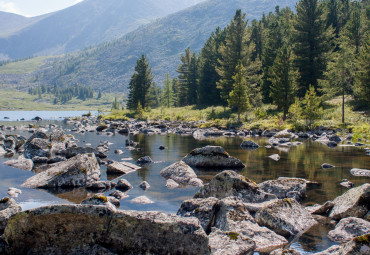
(31, 8)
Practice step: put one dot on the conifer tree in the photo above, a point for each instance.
(362, 78)
(234, 49)
(312, 44)
(238, 97)
(311, 109)
(192, 82)
(139, 84)
(282, 79)
(167, 94)
(184, 77)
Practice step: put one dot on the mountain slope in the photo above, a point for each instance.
(85, 24)
(110, 66)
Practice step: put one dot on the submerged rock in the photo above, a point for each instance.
(360, 172)
(171, 184)
(101, 185)
(286, 188)
(349, 228)
(118, 194)
(144, 185)
(354, 203)
(119, 168)
(20, 163)
(58, 228)
(229, 183)
(212, 157)
(327, 166)
(347, 184)
(75, 172)
(145, 160)
(286, 217)
(181, 173)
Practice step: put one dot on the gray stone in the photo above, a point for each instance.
(360, 172)
(202, 208)
(327, 166)
(230, 243)
(101, 185)
(37, 147)
(285, 252)
(212, 157)
(229, 183)
(114, 201)
(75, 172)
(324, 209)
(181, 173)
(286, 217)
(8, 207)
(20, 163)
(117, 151)
(74, 151)
(353, 203)
(123, 185)
(14, 192)
(118, 194)
(97, 199)
(57, 136)
(249, 145)
(349, 228)
(142, 200)
(275, 157)
(119, 168)
(325, 140)
(144, 185)
(347, 184)
(171, 184)
(40, 160)
(144, 160)
(286, 188)
(357, 246)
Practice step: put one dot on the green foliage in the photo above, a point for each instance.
(361, 132)
(115, 104)
(362, 78)
(260, 113)
(139, 111)
(168, 97)
(311, 109)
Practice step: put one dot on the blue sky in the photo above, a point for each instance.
(32, 8)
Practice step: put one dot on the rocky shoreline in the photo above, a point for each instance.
(229, 215)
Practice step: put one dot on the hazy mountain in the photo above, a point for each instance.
(85, 24)
(110, 66)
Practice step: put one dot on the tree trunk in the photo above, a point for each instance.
(343, 106)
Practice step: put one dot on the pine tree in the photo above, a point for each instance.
(192, 83)
(167, 94)
(312, 44)
(238, 97)
(115, 104)
(353, 31)
(139, 84)
(311, 109)
(282, 79)
(99, 95)
(184, 74)
(176, 92)
(231, 52)
(154, 96)
(362, 78)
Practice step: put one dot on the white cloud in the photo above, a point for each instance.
(9, 7)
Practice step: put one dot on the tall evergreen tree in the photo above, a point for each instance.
(234, 49)
(362, 79)
(282, 79)
(353, 31)
(167, 94)
(154, 96)
(140, 83)
(184, 77)
(192, 83)
(312, 44)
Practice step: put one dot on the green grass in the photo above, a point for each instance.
(24, 66)
(16, 100)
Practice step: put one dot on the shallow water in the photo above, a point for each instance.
(303, 161)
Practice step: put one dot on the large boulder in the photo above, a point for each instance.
(20, 163)
(181, 173)
(360, 172)
(202, 208)
(229, 183)
(76, 229)
(286, 188)
(354, 203)
(74, 151)
(349, 228)
(286, 217)
(359, 245)
(75, 172)
(212, 157)
(8, 207)
(230, 243)
(37, 147)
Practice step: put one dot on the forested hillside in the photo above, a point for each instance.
(86, 24)
(110, 65)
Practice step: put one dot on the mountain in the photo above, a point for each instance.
(85, 24)
(110, 66)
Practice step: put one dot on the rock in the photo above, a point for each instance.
(117, 151)
(101, 185)
(58, 228)
(14, 192)
(285, 252)
(171, 184)
(360, 172)
(347, 184)
(229, 183)
(57, 136)
(230, 243)
(97, 199)
(123, 185)
(142, 200)
(144, 160)
(275, 157)
(20, 163)
(118, 194)
(335, 138)
(359, 245)
(74, 151)
(327, 166)
(8, 207)
(353, 203)
(161, 147)
(40, 160)
(101, 128)
(75, 172)
(324, 209)
(333, 250)
(325, 140)
(181, 173)
(249, 145)
(212, 157)
(286, 188)
(56, 159)
(286, 217)
(37, 147)
(349, 228)
(202, 208)
(114, 201)
(233, 216)
(285, 134)
(144, 185)
(119, 168)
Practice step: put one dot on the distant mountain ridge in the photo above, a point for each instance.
(86, 24)
(110, 66)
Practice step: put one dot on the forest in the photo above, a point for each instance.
(294, 61)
